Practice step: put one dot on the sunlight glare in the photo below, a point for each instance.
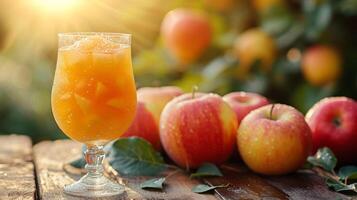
(53, 5)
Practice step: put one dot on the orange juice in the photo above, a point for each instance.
(94, 95)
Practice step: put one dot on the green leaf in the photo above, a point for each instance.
(348, 7)
(318, 14)
(323, 158)
(257, 83)
(290, 36)
(202, 188)
(207, 169)
(307, 165)
(135, 156)
(216, 74)
(276, 20)
(79, 163)
(349, 172)
(155, 183)
(305, 95)
(339, 186)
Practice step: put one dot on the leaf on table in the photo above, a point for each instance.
(207, 169)
(202, 188)
(135, 157)
(348, 172)
(155, 183)
(323, 158)
(341, 187)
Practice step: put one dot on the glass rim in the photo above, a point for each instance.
(110, 34)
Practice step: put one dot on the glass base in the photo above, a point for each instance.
(89, 186)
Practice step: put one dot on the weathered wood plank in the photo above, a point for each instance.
(177, 186)
(304, 185)
(17, 180)
(49, 158)
(247, 185)
(244, 185)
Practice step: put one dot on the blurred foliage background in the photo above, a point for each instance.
(28, 49)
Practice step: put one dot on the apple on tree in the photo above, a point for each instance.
(321, 65)
(244, 102)
(151, 101)
(198, 128)
(333, 122)
(186, 34)
(254, 45)
(274, 139)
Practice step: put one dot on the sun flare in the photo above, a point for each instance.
(55, 5)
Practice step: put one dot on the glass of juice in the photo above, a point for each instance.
(94, 100)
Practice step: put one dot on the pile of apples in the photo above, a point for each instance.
(272, 139)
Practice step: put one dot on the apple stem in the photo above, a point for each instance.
(271, 111)
(194, 90)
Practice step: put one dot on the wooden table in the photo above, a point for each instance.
(36, 172)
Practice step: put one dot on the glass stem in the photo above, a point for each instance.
(94, 156)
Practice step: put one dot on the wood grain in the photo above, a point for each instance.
(177, 186)
(50, 157)
(302, 185)
(17, 180)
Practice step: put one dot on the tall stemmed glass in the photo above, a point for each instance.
(94, 100)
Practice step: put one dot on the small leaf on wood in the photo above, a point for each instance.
(135, 157)
(202, 188)
(348, 172)
(207, 169)
(323, 158)
(341, 187)
(155, 183)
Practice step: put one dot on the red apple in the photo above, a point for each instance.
(151, 101)
(198, 129)
(333, 122)
(244, 102)
(274, 140)
(186, 34)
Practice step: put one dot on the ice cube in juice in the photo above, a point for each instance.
(94, 95)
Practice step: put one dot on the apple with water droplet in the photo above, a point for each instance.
(274, 139)
(198, 128)
(333, 122)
